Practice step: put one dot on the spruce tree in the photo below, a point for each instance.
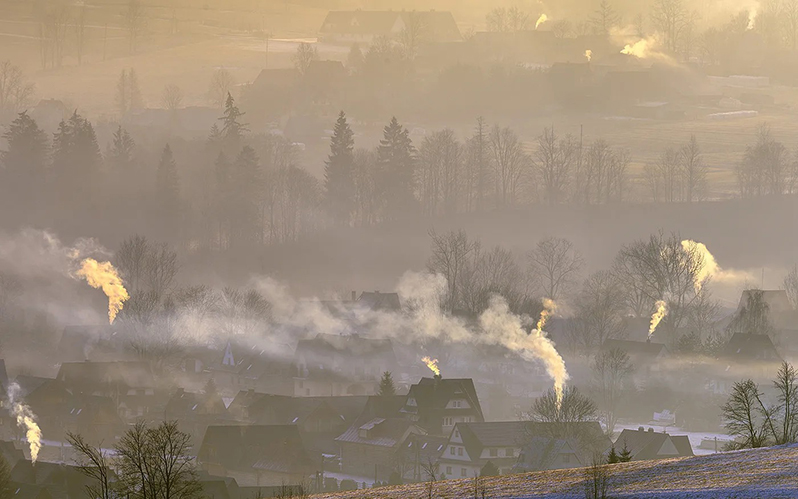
(244, 202)
(122, 94)
(136, 101)
(121, 155)
(24, 166)
(387, 388)
(233, 129)
(613, 457)
(76, 165)
(397, 161)
(489, 469)
(338, 173)
(626, 455)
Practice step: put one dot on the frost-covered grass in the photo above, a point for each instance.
(759, 473)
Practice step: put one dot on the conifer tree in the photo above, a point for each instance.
(338, 174)
(136, 101)
(397, 158)
(626, 455)
(23, 166)
(122, 94)
(387, 388)
(233, 130)
(613, 457)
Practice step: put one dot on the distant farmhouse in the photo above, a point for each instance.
(362, 26)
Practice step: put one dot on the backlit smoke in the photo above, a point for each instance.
(589, 55)
(25, 419)
(542, 19)
(642, 49)
(710, 268)
(104, 275)
(548, 308)
(506, 328)
(433, 365)
(659, 314)
(752, 18)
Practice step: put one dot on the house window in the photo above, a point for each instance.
(566, 459)
(307, 392)
(494, 452)
(456, 404)
(448, 470)
(463, 472)
(451, 450)
(459, 451)
(509, 453)
(447, 421)
(456, 433)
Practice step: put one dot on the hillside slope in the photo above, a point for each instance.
(760, 473)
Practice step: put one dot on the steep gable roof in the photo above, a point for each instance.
(435, 393)
(647, 444)
(750, 347)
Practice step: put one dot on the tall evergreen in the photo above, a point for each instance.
(167, 194)
(24, 168)
(233, 129)
(387, 388)
(121, 154)
(397, 163)
(122, 94)
(338, 174)
(76, 166)
(135, 99)
(626, 455)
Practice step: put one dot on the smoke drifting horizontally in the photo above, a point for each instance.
(25, 419)
(659, 314)
(710, 270)
(104, 275)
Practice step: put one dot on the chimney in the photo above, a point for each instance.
(640, 428)
(651, 430)
(648, 340)
(437, 377)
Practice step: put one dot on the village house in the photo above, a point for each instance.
(437, 404)
(373, 446)
(516, 445)
(331, 365)
(131, 385)
(418, 451)
(363, 26)
(257, 455)
(646, 445)
(645, 356)
(57, 481)
(60, 411)
(194, 412)
(240, 367)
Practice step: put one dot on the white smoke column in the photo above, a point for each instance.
(542, 19)
(25, 419)
(548, 308)
(589, 55)
(656, 318)
(710, 268)
(506, 328)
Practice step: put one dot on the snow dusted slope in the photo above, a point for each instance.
(758, 473)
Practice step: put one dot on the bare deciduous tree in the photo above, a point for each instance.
(599, 313)
(556, 159)
(15, 92)
(507, 20)
(222, 83)
(509, 163)
(172, 97)
(135, 21)
(93, 463)
(304, 56)
(694, 172)
(438, 173)
(557, 265)
(450, 254)
(791, 285)
(672, 20)
(412, 36)
(611, 369)
(745, 415)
